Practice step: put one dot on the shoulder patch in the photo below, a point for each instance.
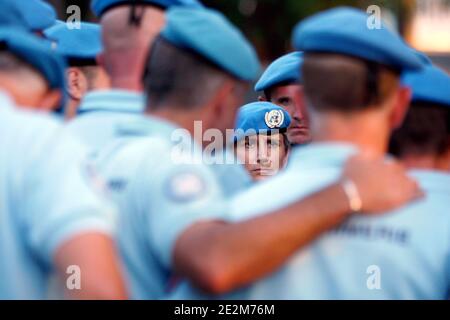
(186, 186)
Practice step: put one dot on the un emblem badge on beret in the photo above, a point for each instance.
(274, 119)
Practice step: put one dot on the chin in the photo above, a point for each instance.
(260, 177)
(299, 139)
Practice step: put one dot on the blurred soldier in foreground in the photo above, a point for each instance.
(261, 141)
(44, 228)
(128, 29)
(281, 84)
(80, 47)
(354, 98)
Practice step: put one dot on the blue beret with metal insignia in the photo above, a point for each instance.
(261, 117)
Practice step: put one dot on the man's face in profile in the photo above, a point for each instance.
(290, 97)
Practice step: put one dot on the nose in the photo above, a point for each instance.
(297, 118)
(264, 162)
(301, 114)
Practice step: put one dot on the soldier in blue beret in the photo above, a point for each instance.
(423, 140)
(54, 222)
(31, 73)
(261, 142)
(182, 193)
(423, 145)
(80, 47)
(43, 225)
(281, 83)
(128, 30)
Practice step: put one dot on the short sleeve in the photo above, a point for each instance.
(61, 194)
(174, 196)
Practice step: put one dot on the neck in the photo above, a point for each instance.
(71, 108)
(127, 83)
(368, 130)
(427, 162)
(185, 120)
(125, 69)
(419, 162)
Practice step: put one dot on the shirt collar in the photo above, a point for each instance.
(148, 125)
(336, 154)
(114, 100)
(433, 180)
(6, 102)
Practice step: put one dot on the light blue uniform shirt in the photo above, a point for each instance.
(105, 116)
(46, 199)
(407, 251)
(161, 188)
(101, 114)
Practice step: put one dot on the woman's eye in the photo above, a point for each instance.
(274, 144)
(249, 145)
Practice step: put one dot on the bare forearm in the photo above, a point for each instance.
(240, 253)
(96, 268)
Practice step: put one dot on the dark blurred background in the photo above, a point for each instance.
(268, 23)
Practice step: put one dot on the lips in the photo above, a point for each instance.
(299, 134)
(299, 125)
(299, 129)
(262, 172)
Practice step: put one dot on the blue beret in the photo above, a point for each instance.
(83, 43)
(57, 23)
(35, 52)
(425, 59)
(10, 15)
(429, 85)
(284, 69)
(261, 117)
(38, 14)
(344, 30)
(99, 7)
(208, 33)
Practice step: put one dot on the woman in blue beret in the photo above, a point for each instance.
(261, 142)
